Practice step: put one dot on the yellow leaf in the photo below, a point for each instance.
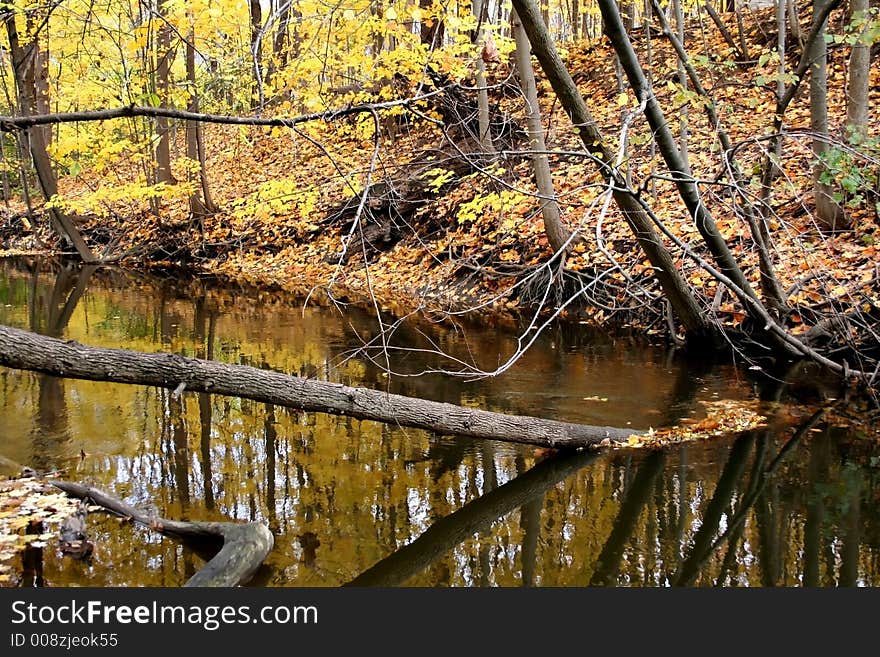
(390, 14)
(623, 100)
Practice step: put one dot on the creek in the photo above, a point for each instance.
(359, 502)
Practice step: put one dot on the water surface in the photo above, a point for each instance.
(360, 502)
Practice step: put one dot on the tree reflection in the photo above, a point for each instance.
(50, 316)
(472, 518)
(634, 500)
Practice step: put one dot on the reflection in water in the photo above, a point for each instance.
(359, 502)
(474, 518)
(634, 499)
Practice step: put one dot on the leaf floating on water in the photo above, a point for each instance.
(28, 502)
(723, 417)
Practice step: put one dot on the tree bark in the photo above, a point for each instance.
(38, 75)
(485, 136)
(164, 56)
(829, 213)
(687, 188)
(683, 81)
(245, 545)
(774, 295)
(557, 234)
(674, 286)
(199, 205)
(25, 350)
(794, 22)
(725, 32)
(859, 74)
(780, 72)
(281, 45)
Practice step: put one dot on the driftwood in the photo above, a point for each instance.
(25, 350)
(245, 545)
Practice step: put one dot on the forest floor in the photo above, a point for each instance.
(474, 237)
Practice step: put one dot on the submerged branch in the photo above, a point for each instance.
(245, 545)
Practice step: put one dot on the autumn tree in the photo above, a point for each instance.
(199, 204)
(28, 65)
(484, 46)
(674, 286)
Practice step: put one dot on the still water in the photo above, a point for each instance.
(359, 502)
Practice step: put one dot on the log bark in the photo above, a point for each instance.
(25, 350)
(245, 545)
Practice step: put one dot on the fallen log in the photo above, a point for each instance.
(25, 350)
(245, 545)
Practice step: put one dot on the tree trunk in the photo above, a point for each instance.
(687, 188)
(683, 81)
(199, 204)
(26, 350)
(725, 32)
(859, 74)
(794, 22)
(557, 233)
(829, 214)
(281, 41)
(474, 517)
(774, 296)
(674, 286)
(780, 72)
(38, 76)
(743, 46)
(164, 57)
(256, 14)
(485, 136)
